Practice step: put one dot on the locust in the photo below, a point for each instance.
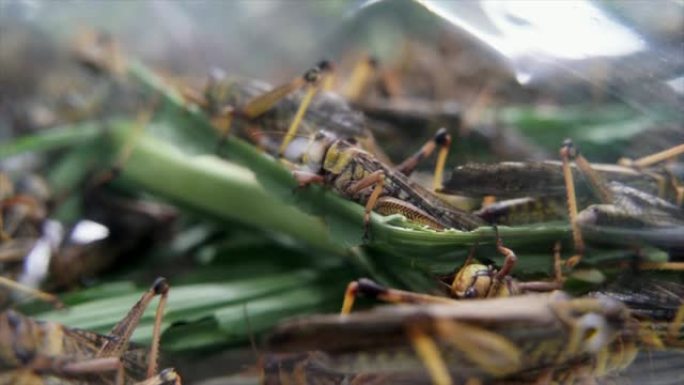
(259, 111)
(36, 352)
(356, 174)
(624, 215)
(533, 191)
(500, 340)
(472, 281)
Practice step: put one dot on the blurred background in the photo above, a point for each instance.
(508, 79)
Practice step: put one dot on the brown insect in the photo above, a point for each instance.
(43, 353)
(518, 339)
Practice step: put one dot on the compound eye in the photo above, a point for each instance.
(470, 292)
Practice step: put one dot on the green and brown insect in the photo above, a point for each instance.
(41, 352)
(358, 175)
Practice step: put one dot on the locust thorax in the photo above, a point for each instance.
(472, 281)
(339, 156)
(316, 152)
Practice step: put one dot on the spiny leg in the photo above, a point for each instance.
(572, 203)
(360, 76)
(377, 179)
(41, 295)
(654, 158)
(387, 205)
(598, 184)
(124, 329)
(670, 266)
(429, 354)
(442, 139)
(312, 78)
(510, 259)
(492, 352)
(328, 75)
(368, 288)
(544, 286)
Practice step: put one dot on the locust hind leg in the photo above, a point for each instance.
(377, 180)
(490, 352)
(441, 140)
(565, 153)
(428, 352)
(312, 79)
(544, 286)
(652, 159)
(123, 330)
(360, 77)
(371, 289)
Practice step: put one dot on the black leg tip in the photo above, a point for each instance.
(160, 286)
(369, 288)
(442, 137)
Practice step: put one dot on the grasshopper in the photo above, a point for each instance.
(510, 339)
(538, 187)
(633, 216)
(473, 280)
(358, 175)
(41, 353)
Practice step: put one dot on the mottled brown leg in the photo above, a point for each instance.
(442, 139)
(368, 288)
(510, 259)
(124, 329)
(654, 158)
(377, 179)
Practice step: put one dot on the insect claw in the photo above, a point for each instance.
(366, 233)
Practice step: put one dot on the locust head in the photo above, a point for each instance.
(472, 281)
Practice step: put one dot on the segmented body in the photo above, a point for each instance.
(345, 164)
(535, 179)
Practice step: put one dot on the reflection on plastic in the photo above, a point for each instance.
(532, 34)
(526, 31)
